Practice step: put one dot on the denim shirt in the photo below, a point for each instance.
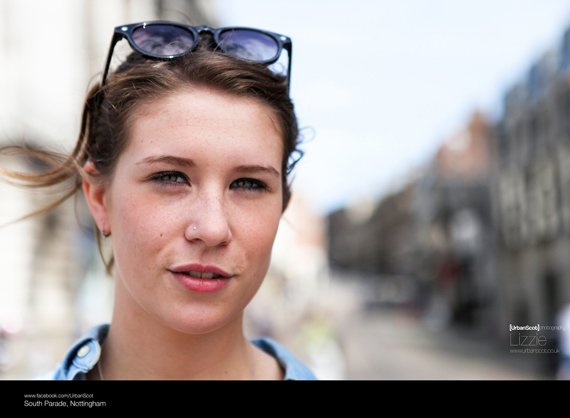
(84, 355)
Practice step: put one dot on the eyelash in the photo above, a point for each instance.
(256, 185)
(159, 178)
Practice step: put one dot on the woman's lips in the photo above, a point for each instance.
(201, 278)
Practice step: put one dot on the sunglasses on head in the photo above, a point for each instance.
(163, 40)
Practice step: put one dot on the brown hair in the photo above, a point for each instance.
(108, 109)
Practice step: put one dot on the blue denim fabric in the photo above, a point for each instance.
(84, 354)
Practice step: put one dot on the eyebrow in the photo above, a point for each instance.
(246, 169)
(187, 162)
(182, 162)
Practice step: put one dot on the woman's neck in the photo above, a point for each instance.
(140, 346)
(153, 354)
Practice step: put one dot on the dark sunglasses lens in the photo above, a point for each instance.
(163, 40)
(249, 45)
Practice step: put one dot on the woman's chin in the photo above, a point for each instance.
(202, 323)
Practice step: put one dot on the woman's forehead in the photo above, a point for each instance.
(204, 120)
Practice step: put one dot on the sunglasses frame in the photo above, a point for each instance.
(126, 32)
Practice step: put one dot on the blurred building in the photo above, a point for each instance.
(52, 285)
(426, 244)
(532, 193)
(371, 240)
(486, 224)
(454, 226)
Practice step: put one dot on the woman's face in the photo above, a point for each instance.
(193, 208)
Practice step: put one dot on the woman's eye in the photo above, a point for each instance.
(169, 178)
(248, 184)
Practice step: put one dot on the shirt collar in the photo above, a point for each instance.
(83, 355)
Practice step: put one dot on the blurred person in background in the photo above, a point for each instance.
(183, 157)
(564, 344)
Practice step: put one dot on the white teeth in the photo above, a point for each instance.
(201, 275)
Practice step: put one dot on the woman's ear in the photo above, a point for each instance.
(95, 195)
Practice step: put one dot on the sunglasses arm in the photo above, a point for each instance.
(289, 48)
(116, 38)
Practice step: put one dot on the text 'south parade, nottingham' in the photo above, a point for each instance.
(64, 404)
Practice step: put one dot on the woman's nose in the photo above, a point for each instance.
(209, 222)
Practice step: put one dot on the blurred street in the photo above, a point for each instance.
(387, 345)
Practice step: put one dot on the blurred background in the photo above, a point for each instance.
(429, 232)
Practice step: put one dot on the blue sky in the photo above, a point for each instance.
(378, 85)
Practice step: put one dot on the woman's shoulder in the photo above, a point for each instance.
(80, 358)
(294, 369)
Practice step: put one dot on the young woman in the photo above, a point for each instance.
(183, 158)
